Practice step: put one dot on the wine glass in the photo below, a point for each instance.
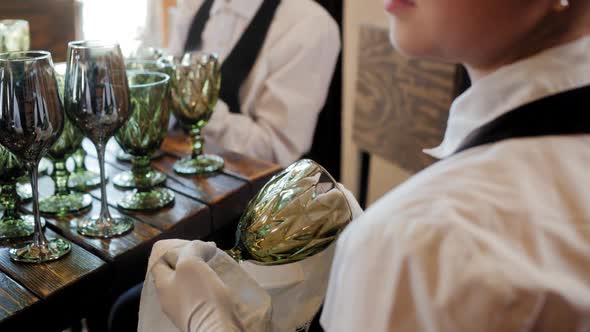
(297, 214)
(143, 65)
(97, 102)
(140, 137)
(195, 84)
(64, 201)
(31, 119)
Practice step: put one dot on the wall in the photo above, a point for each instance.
(382, 175)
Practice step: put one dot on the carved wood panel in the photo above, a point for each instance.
(401, 104)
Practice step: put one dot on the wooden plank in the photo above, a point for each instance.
(257, 172)
(225, 196)
(108, 249)
(13, 297)
(184, 210)
(48, 278)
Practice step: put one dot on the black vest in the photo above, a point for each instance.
(241, 60)
(566, 113)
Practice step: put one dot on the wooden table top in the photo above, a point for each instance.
(61, 292)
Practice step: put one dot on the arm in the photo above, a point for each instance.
(281, 123)
(425, 275)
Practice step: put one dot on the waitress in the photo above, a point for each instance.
(496, 235)
(278, 58)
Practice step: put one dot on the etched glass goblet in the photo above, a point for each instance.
(140, 137)
(297, 214)
(195, 84)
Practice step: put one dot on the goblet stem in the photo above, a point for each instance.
(197, 141)
(39, 238)
(9, 200)
(79, 157)
(140, 168)
(104, 207)
(60, 177)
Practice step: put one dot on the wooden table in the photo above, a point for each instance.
(49, 297)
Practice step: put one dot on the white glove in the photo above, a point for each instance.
(200, 288)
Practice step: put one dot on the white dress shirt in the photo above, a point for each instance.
(286, 89)
(496, 238)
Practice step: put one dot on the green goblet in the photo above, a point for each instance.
(141, 136)
(63, 201)
(195, 87)
(143, 65)
(297, 214)
(12, 223)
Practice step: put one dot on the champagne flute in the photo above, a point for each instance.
(31, 120)
(97, 102)
(64, 201)
(195, 84)
(141, 136)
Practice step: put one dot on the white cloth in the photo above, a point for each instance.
(286, 89)
(496, 238)
(278, 298)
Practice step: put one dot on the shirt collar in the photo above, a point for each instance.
(553, 71)
(245, 8)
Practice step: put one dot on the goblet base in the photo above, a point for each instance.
(23, 226)
(150, 179)
(83, 180)
(62, 205)
(153, 199)
(202, 164)
(32, 253)
(24, 190)
(97, 227)
(11, 228)
(126, 157)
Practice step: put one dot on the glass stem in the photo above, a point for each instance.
(79, 157)
(105, 215)
(197, 141)
(39, 238)
(60, 177)
(140, 168)
(9, 200)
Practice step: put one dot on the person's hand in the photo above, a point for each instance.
(191, 294)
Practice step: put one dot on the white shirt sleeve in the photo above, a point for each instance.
(281, 124)
(426, 274)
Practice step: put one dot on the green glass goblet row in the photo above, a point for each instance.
(140, 137)
(195, 85)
